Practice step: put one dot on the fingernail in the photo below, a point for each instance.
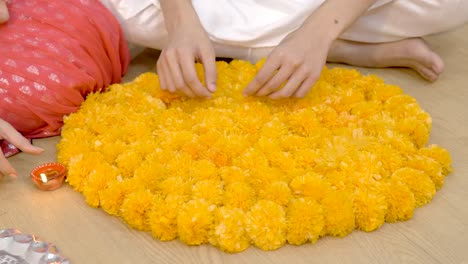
(212, 87)
(36, 149)
(12, 175)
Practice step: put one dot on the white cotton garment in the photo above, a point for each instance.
(252, 23)
(244, 23)
(127, 9)
(257, 24)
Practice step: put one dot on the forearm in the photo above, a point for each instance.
(333, 17)
(178, 14)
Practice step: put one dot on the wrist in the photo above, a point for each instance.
(178, 14)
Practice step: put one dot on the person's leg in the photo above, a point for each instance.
(390, 35)
(412, 53)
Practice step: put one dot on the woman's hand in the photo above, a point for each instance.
(4, 15)
(297, 62)
(8, 133)
(187, 42)
(299, 59)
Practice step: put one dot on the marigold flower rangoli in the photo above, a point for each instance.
(235, 171)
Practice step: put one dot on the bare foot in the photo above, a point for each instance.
(413, 53)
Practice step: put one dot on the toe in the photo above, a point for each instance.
(427, 74)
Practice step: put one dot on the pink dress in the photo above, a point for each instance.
(52, 54)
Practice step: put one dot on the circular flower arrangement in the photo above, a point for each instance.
(235, 171)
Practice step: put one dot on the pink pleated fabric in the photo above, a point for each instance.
(52, 54)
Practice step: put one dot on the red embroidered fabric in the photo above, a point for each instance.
(52, 54)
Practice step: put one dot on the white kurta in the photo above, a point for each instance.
(242, 25)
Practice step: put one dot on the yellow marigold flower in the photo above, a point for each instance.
(195, 149)
(79, 118)
(195, 221)
(163, 216)
(232, 144)
(282, 160)
(69, 148)
(148, 81)
(251, 158)
(252, 124)
(430, 166)
(311, 185)
(339, 180)
(366, 109)
(398, 141)
(400, 201)
(98, 179)
(367, 163)
(277, 192)
(80, 167)
(370, 208)
(232, 174)
(178, 164)
(208, 190)
(175, 186)
(338, 212)
(150, 173)
(135, 209)
(228, 231)
(418, 182)
(390, 159)
(382, 92)
(396, 103)
(268, 146)
(327, 115)
(218, 156)
(439, 154)
(305, 221)
(110, 148)
(266, 225)
(128, 161)
(112, 197)
(341, 76)
(345, 100)
(303, 122)
(349, 155)
(292, 142)
(263, 176)
(415, 129)
(145, 147)
(423, 117)
(239, 195)
(273, 129)
(306, 158)
(175, 140)
(203, 170)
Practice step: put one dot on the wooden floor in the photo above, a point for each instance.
(438, 232)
